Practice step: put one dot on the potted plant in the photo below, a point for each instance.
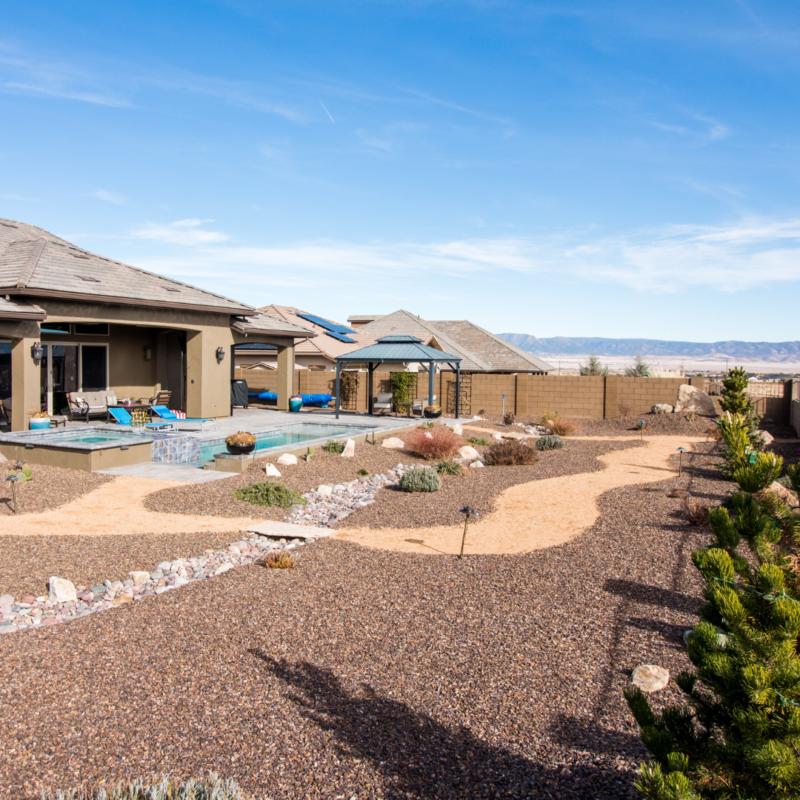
(241, 443)
(433, 412)
(40, 420)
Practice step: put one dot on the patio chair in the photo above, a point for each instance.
(5, 410)
(177, 421)
(382, 403)
(420, 403)
(121, 416)
(161, 399)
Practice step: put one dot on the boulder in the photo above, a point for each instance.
(349, 449)
(324, 490)
(662, 408)
(139, 577)
(287, 459)
(477, 465)
(690, 398)
(62, 591)
(272, 471)
(650, 678)
(468, 453)
(784, 495)
(766, 437)
(458, 430)
(393, 442)
(498, 436)
(223, 568)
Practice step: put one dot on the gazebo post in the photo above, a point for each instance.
(338, 399)
(431, 369)
(370, 369)
(458, 389)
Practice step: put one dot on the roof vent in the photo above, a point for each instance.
(170, 289)
(75, 255)
(88, 279)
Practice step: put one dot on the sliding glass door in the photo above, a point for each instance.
(71, 368)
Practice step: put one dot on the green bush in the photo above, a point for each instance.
(449, 467)
(757, 476)
(332, 446)
(476, 442)
(421, 480)
(735, 399)
(549, 443)
(211, 788)
(363, 472)
(793, 474)
(739, 439)
(268, 493)
(739, 736)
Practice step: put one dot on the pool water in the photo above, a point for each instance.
(291, 434)
(87, 437)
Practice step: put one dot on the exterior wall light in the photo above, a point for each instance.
(37, 351)
(220, 355)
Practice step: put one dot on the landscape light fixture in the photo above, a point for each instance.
(37, 351)
(468, 512)
(681, 450)
(220, 354)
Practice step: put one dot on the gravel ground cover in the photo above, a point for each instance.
(50, 487)
(478, 488)
(373, 674)
(658, 425)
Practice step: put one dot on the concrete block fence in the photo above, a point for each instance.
(528, 395)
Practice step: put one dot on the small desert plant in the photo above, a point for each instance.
(624, 410)
(310, 453)
(241, 439)
(280, 560)
(37, 413)
(508, 419)
(268, 493)
(551, 442)
(422, 479)
(476, 441)
(547, 416)
(690, 417)
(363, 471)
(695, 511)
(332, 446)
(512, 453)
(562, 427)
(436, 443)
(211, 788)
(449, 467)
(753, 477)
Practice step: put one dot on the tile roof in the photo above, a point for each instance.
(34, 262)
(480, 350)
(14, 308)
(266, 323)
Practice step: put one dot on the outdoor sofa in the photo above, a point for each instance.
(83, 405)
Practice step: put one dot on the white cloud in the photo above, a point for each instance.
(182, 231)
(728, 258)
(108, 197)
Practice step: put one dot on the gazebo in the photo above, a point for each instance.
(399, 349)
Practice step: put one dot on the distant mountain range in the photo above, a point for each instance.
(777, 352)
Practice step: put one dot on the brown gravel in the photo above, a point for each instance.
(372, 674)
(479, 488)
(26, 563)
(49, 488)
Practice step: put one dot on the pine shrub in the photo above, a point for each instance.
(510, 453)
(793, 474)
(437, 443)
(268, 493)
(738, 737)
(755, 477)
(551, 442)
(423, 479)
(739, 439)
(735, 399)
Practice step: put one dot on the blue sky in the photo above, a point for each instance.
(554, 168)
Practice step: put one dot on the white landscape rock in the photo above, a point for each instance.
(458, 430)
(62, 591)
(393, 443)
(223, 568)
(324, 490)
(477, 465)
(468, 453)
(766, 437)
(650, 678)
(662, 408)
(139, 577)
(272, 471)
(349, 449)
(498, 436)
(287, 459)
(690, 398)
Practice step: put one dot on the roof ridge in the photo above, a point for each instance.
(465, 351)
(26, 273)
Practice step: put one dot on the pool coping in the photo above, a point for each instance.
(32, 438)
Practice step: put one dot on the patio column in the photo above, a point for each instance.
(431, 372)
(338, 374)
(25, 382)
(285, 375)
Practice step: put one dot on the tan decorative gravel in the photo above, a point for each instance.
(537, 514)
(117, 508)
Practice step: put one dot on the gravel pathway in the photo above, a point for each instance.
(372, 674)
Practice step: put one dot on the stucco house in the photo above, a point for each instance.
(71, 320)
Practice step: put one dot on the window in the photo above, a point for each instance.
(91, 329)
(5, 369)
(94, 368)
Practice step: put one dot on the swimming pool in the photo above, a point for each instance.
(91, 436)
(300, 433)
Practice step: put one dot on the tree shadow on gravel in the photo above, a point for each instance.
(653, 595)
(588, 734)
(421, 758)
(673, 634)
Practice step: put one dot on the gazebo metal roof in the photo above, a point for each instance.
(398, 348)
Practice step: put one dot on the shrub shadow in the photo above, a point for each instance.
(653, 595)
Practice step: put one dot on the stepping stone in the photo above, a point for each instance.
(287, 530)
(650, 678)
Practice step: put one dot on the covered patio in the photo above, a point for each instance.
(403, 350)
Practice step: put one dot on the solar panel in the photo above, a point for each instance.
(324, 323)
(340, 337)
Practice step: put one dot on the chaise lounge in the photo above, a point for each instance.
(172, 417)
(122, 417)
